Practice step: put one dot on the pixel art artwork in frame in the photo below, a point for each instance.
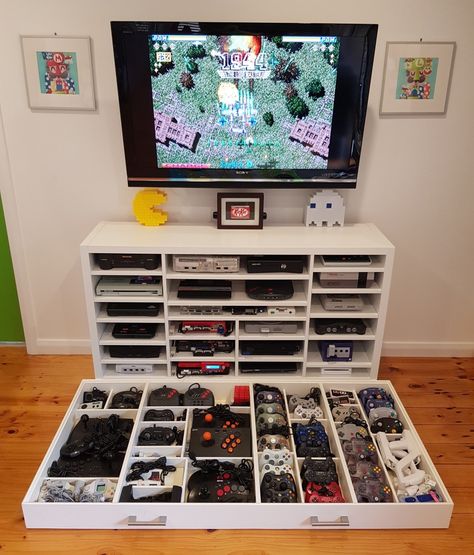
(58, 73)
(417, 77)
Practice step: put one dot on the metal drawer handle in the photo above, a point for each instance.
(341, 521)
(158, 521)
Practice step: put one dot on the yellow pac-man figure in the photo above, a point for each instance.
(145, 207)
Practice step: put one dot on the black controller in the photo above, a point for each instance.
(279, 488)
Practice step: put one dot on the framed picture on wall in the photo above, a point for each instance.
(240, 211)
(58, 72)
(416, 78)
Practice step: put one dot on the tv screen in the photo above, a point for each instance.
(225, 104)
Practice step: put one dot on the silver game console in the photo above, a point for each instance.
(205, 264)
(281, 311)
(129, 286)
(342, 302)
(271, 327)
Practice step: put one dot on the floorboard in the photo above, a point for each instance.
(36, 390)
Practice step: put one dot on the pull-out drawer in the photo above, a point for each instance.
(119, 511)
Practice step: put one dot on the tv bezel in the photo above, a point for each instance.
(239, 178)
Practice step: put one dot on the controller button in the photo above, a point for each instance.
(227, 423)
(206, 437)
(224, 445)
(242, 488)
(230, 450)
(234, 487)
(226, 476)
(227, 489)
(233, 444)
(220, 493)
(208, 418)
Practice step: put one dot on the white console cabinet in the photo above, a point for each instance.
(132, 238)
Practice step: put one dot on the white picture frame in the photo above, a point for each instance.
(58, 72)
(417, 77)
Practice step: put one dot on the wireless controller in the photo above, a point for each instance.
(277, 469)
(275, 457)
(275, 441)
(321, 471)
(270, 408)
(341, 412)
(387, 425)
(307, 414)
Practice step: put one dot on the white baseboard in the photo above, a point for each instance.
(428, 349)
(60, 347)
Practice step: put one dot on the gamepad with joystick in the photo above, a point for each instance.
(305, 413)
(270, 408)
(320, 471)
(341, 412)
(372, 491)
(273, 441)
(275, 457)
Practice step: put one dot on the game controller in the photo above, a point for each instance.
(359, 449)
(278, 488)
(309, 401)
(197, 396)
(431, 497)
(275, 441)
(94, 399)
(311, 440)
(327, 493)
(342, 412)
(151, 471)
(372, 491)
(276, 469)
(164, 415)
(365, 470)
(95, 447)
(270, 423)
(276, 457)
(157, 435)
(387, 425)
(270, 408)
(267, 394)
(381, 412)
(221, 482)
(321, 471)
(127, 399)
(374, 398)
(307, 413)
(164, 397)
(347, 432)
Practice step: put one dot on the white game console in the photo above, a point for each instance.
(206, 264)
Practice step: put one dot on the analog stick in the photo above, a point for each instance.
(207, 438)
(208, 418)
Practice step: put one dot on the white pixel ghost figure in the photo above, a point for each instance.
(325, 208)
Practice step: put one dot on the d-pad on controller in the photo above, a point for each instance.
(275, 457)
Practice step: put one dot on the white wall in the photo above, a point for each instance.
(61, 173)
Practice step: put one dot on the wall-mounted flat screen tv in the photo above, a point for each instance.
(243, 104)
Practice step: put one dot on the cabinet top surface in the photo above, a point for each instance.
(207, 238)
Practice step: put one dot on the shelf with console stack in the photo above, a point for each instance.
(266, 300)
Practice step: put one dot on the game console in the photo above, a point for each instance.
(247, 310)
(256, 367)
(342, 302)
(271, 327)
(271, 348)
(347, 279)
(336, 350)
(202, 348)
(270, 264)
(346, 259)
(281, 311)
(354, 325)
(218, 327)
(109, 261)
(202, 369)
(274, 290)
(204, 264)
(134, 331)
(202, 310)
(204, 289)
(133, 309)
(130, 286)
(134, 351)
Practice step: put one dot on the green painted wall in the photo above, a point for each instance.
(11, 328)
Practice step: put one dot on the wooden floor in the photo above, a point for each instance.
(36, 390)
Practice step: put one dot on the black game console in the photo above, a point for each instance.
(134, 351)
(133, 309)
(268, 264)
(272, 290)
(281, 348)
(205, 289)
(109, 261)
(267, 367)
(134, 331)
(169, 496)
(353, 325)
